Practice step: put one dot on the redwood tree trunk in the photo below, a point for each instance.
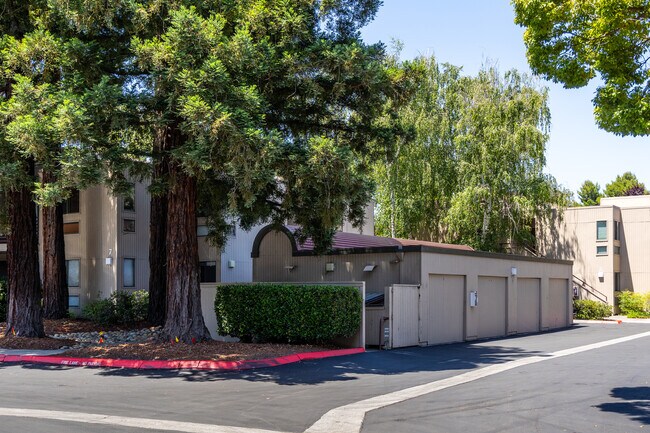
(158, 231)
(184, 317)
(55, 284)
(24, 315)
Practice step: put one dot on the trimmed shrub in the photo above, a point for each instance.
(587, 309)
(4, 300)
(634, 305)
(121, 307)
(288, 313)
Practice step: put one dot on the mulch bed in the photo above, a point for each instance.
(206, 350)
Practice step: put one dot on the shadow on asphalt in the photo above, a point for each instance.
(636, 404)
(463, 356)
(450, 357)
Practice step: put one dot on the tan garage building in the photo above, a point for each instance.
(432, 293)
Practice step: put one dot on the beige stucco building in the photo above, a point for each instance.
(432, 293)
(107, 246)
(609, 245)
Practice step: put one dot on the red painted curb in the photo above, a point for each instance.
(178, 365)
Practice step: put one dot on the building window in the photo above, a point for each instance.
(232, 230)
(71, 228)
(128, 225)
(202, 230)
(617, 250)
(128, 273)
(72, 272)
(71, 204)
(601, 230)
(617, 281)
(73, 301)
(128, 202)
(617, 230)
(601, 250)
(208, 272)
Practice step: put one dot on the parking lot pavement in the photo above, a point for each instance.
(294, 397)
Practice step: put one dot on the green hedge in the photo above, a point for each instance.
(587, 309)
(634, 304)
(288, 313)
(122, 307)
(3, 300)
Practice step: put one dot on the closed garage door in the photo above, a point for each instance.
(528, 304)
(442, 310)
(558, 303)
(491, 307)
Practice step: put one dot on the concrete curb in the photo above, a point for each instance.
(177, 365)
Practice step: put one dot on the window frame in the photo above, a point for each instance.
(67, 272)
(203, 265)
(601, 250)
(124, 261)
(75, 198)
(130, 197)
(598, 230)
(124, 230)
(68, 224)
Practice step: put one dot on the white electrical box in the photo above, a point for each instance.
(109, 261)
(473, 299)
(231, 264)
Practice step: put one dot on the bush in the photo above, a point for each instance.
(288, 313)
(4, 300)
(587, 309)
(121, 307)
(634, 304)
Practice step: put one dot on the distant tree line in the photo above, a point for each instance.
(626, 184)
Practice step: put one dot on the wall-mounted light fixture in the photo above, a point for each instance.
(513, 271)
(290, 267)
(369, 268)
(601, 274)
(329, 267)
(231, 264)
(109, 258)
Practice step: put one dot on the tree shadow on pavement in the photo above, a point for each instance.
(452, 357)
(636, 404)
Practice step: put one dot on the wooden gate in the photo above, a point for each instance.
(404, 302)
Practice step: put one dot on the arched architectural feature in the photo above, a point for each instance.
(255, 253)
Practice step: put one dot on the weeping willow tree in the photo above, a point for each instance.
(473, 172)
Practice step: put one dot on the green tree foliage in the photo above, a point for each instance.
(573, 42)
(415, 182)
(589, 193)
(473, 172)
(623, 185)
(272, 109)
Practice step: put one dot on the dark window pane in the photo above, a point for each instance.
(129, 200)
(71, 205)
(208, 272)
(128, 226)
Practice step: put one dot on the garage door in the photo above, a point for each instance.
(442, 310)
(528, 304)
(558, 303)
(491, 307)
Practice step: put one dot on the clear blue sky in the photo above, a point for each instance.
(468, 32)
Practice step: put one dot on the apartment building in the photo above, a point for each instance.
(107, 246)
(609, 245)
